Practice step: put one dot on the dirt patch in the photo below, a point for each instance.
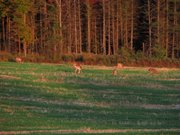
(128, 67)
(151, 106)
(9, 77)
(171, 79)
(88, 130)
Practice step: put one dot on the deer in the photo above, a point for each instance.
(153, 71)
(114, 71)
(118, 66)
(19, 60)
(77, 68)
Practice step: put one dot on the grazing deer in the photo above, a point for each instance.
(114, 71)
(19, 60)
(77, 67)
(153, 71)
(119, 65)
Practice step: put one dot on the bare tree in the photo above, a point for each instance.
(150, 27)
(79, 25)
(132, 23)
(167, 27)
(88, 26)
(104, 28)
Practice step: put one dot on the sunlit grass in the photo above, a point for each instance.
(42, 96)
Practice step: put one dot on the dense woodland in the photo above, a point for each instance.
(52, 28)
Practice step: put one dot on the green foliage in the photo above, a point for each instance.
(23, 6)
(35, 58)
(91, 59)
(5, 56)
(139, 55)
(6, 7)
(25, 33)
(79, 58)
(67, 58)
(2, 9)
(126, 54)
(23, 30)
(158, 52)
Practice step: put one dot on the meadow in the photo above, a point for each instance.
(52, 99)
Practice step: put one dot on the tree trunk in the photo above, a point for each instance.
(79, 23)
(143, 46)
(126, 25)
(174, 33)
(0, 41)
(121, 23)
(113, 29)
(9, 34)
(88, 28)
(104, 28)
(95, 37)
(75, 28)
(167, 27)
(132, 23)
(60, 44)
(150, 28)
(60, 26)
(69, 29)
(3, 33)
(109, 28)
(41, 31)
(24, 40)
(19, 45)
(55, 47)
(158, 21)
(25, 48)
(117, 29)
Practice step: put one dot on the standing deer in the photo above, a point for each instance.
(114, 71)
(118, 66)
(153, 71)
(77, 68)
(19, 60)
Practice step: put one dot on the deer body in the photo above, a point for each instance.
(78, 68)
(119, 65)
(114, 72)
(19, 60)
(153, 71)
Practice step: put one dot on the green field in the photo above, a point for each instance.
(47, 97)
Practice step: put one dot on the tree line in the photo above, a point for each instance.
(107, 27)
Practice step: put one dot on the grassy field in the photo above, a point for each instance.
(46, 97)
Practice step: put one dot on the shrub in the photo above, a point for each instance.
(126, 54)
(35, 58)
(67, 57)
(5, 56)
(89, 58)
(159, 52)
(79, 58)
(100, 59)
(139, 55)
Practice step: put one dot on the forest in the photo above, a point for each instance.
(55, 30)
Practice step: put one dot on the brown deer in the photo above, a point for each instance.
(114, 71)
(19, 60)
(153, 71)
(77, 68)
(120, 65)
